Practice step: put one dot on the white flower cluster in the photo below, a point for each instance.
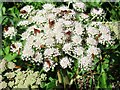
(10, 32)
(54, 32)
(17, 78)
(79, 6)
(6, 65)
(15, 47)
(97, 13)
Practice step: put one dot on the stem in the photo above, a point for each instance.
(59, 76)
(65, 78)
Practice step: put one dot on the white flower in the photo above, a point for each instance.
(47, 65)
(30, 80)
(59, 37)
(39, 19)
(105, 38)
(51, 52)
(11, 65)
(43, 77)
(96, 23)
(84, 16)
(79, 5)
(10, 75)
(78, 28)
(79, 51)
(15, 47)
(3, 85)
(67, 47)
(51, 16)
(76, 39)
(25, 35)
(21, 85)
(62, 8)
(32, 28)
(11, 84)
(104, 29)
(38, 81)
(10, 32)
(92, 31)
(30, 40)
(92, 41)
(41, 12)
(93, 50)
(67, 23)
(27, 52)
(52, 32)
(98, 11)
(34, 86)
(1, 78)
(2, 65)
(38, 57)
(27, 8)
(65, 62)
(39, 41)
(48, 6)
(86, 62)
(23, 23)
(49, 42)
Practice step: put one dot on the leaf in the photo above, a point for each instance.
(51, 85)
(42, 84)
(10, 57)
(98, 68)
(103, 79)
(3, 10)
(6, 50)
(1, 52)
(1, 4)
(51, 79)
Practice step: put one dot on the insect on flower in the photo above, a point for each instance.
(36, 31)
(66, 11)
(51, 23)
(23, 12)
(6, 28)
(48, 62)
(13, 45)
(17, 67)
(19, 52)
(68, 33)
(93, 55)
(42, 46)
(98, 36)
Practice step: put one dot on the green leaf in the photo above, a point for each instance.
(42, 84)
(1, 52)
(7, 50)
(98, 68)
(10, 57)
(51, 79)
(103, 79)
(1, 4)
(14, 60)
(3, 10)
(51, 85)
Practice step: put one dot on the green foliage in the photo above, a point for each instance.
(10, 57)
(51, 85)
